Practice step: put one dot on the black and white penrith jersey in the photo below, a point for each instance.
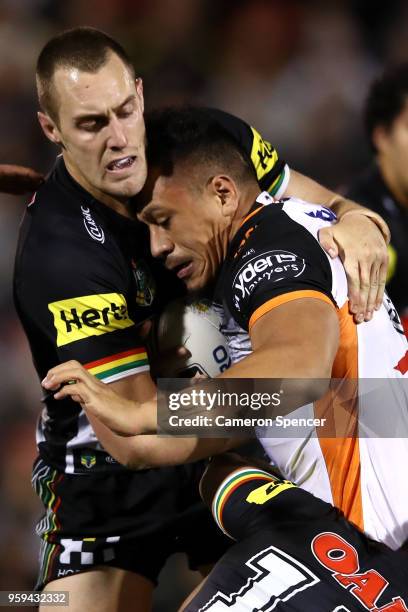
(295, 553)
(81, 286)
(84, 281)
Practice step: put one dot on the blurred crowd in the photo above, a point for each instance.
(298, 71)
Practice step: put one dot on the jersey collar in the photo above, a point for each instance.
(69, 183)
(265, 199)
(84, 198)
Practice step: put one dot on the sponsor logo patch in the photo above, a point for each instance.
(110, 459)
(89, 315)
(267, 491)
(272, 266)
(95, 232)
(263, 155)
(325, 214)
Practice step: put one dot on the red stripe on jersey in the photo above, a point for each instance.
(134, 351)
(402, 365)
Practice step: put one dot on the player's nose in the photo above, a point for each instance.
(160, 244)
(117, 138)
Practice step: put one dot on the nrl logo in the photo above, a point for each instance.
(145, 285)
(95, 232)
(88, 461)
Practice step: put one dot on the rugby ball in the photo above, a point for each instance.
(195, 325)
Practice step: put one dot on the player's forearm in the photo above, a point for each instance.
(303, 187)
(128, 417)
(276, 363)
(158, 452)
(146, 451)
(19, 179)
(303, 381)
(136, 407)
(118, 446)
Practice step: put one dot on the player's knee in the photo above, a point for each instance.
(103, 589)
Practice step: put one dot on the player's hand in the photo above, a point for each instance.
(363, 251)
(18, 179)
(72, 380)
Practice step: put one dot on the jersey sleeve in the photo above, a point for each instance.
(82, 308)
(244, 499)
(279, 262)
(272, 172)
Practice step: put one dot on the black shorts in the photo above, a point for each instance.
(130, 520)
(275, 565)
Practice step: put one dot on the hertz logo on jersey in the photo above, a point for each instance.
(264, 493)
(89, 315)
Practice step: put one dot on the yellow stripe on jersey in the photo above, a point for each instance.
(116, 366)
(118, 362)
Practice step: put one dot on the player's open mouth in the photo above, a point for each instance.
(184, 269)
(120, 164)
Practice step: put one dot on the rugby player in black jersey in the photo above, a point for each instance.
(294, 552)
(383, 185)
(82, 288)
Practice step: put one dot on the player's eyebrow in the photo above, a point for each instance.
(96, 115)
(147, 212)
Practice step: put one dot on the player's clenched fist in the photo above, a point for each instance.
(18, 179)
(71, 379)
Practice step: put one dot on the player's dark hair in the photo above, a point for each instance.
(192, 136)
(386, 99)
(84, 48)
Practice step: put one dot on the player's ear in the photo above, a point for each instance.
(139, 91)
(49, 128)
(380, 138)
(225, 190)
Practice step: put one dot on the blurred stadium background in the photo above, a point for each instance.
(298, 71)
